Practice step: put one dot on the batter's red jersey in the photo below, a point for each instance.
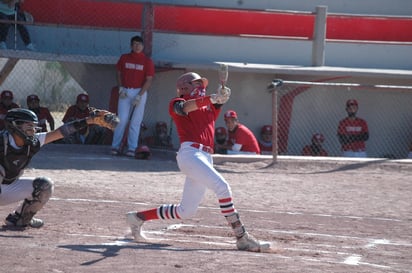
(242, 135)
(197, 126)
(43, 114)
(134, 68)
(353, 127)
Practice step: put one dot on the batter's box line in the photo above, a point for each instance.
(334, 236)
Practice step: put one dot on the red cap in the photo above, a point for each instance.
(266, 129)
(32, 98)
(83, 97)
(142, 149)
(161, 124)
(220, 131)
(230, 114)
(6, 94)
(351, 102)
(318, 137)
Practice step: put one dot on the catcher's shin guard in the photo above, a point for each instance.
(42, 191)
(244, 241)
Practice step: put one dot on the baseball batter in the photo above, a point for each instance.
(195, 114)
(135, 73)
(353, 132)
(19, 143)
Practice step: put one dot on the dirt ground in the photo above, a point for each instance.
(321, 216)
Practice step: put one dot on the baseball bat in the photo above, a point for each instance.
(223, 74)
(126, 131)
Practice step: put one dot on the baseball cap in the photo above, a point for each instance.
(220, 131)
(351, 102)
(32, 98)
(266, 129)
(318, 137)
(6, 94)
(82, 97)
(230, 114)
(160, 124)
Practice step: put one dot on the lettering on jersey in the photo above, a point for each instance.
(353, 129)
(134, 66)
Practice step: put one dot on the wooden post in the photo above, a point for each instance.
(148, 24)
(7, 69)
(319, 37)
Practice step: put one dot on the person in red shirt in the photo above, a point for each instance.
(43, 113)
(353, 132)
(160, 139)
(315, 148)
(195, 115)
(265, 141)
(135, 73)
(6, 103)
(93, 134)
(241, 139)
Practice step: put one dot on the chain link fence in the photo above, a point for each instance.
(305, 109)
(54, 86)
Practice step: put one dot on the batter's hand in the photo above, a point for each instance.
(104, 118)
(136, 100)
(218, 99)
(122, 92)
(224, 91)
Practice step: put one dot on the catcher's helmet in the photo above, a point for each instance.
(142, 152)
(14, 120)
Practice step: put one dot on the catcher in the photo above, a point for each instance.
(20, 141)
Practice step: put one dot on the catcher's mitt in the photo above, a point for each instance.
(104, 118)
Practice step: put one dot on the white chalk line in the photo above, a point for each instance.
(214, 208)
(352, 259)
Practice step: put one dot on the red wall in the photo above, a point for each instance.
(217, 21)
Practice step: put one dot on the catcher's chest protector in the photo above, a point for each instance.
(15, 160)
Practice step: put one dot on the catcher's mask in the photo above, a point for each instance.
(191, 85)
(142, 152)
(23, 123)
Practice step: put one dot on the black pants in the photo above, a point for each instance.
(4, 27)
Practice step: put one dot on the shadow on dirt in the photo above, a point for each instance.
(113, 250)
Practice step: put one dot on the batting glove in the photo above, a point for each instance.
(224, 91)
(218, 99)
(122, 92)
(136, 100)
